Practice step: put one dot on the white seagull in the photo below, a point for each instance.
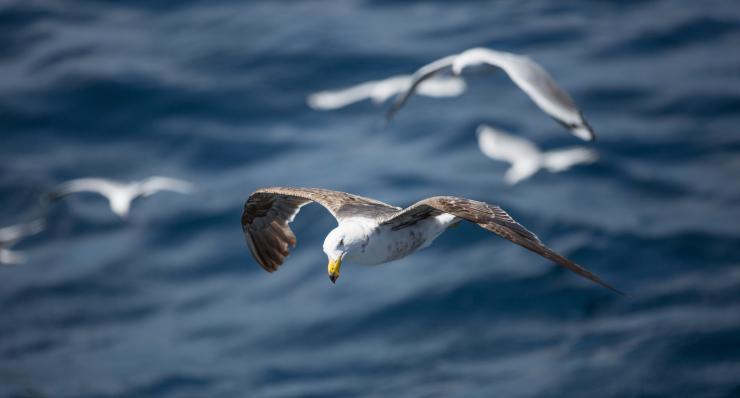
(371, 232)
(528, 75)
(119, 194)
(9, 236)
(524, 156)
(380, 90)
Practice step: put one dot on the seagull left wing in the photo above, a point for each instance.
(490, 217)
(268, 212)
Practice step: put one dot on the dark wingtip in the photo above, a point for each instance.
(588, 127)
(592, 138)
(613, 289)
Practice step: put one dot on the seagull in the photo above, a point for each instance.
(527, 74)
(370, 232)
(9, 236)
(525, 158)
(120, 195)
(380, 90)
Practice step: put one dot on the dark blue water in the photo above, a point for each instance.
(170, 304)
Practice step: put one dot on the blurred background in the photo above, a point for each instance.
(171, 304)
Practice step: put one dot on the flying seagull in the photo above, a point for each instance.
(528, 75)
(372, 232)
(380, 90)
(119, 194)
(525, 158)
(9, 236)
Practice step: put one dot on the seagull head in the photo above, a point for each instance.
(344, 240)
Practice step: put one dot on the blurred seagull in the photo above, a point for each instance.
(372, 232)
(525, 158)
(380, 90)
(120, 195)
(526, 74)
(9, 236)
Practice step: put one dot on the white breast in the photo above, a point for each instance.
(385, 244)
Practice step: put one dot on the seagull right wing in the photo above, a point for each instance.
(424, 73)
(268, 211)
(490, 217)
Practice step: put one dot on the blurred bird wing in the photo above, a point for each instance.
(334, 99)
(422, 74)
(520, 171)
(11, 257)
(537, 83)
(491, 218)
(98, 185)
(521, 153)
(499, 145)
(563, 159)
(269, 211)
(155, 184)
(14, 233)
(389, 87)
(442, 86)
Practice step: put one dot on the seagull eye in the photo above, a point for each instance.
(341, 242)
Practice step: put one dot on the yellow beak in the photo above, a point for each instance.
(334, 266)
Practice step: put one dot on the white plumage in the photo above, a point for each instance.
(121, 195)
(525, 157)
(528, 75)
(380, 90)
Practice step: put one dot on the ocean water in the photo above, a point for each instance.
(171, 304)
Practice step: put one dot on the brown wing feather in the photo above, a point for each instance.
(268, 211)
(492, 218)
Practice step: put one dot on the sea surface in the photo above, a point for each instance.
(170, 303)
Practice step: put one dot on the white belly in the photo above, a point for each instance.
(386, 245)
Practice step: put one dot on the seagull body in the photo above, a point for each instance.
(9, 236)
(528, 75)
(370, 232)
(120, 195)
(525, 157)
(380, 90)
